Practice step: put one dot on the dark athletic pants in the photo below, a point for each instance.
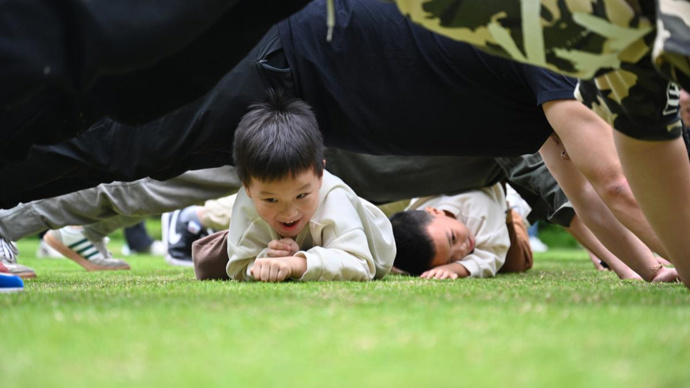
(65, 64)
(162, 149)
(183, 141)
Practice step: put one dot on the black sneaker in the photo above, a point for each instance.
(180, 229)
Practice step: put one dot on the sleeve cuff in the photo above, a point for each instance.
(471, 266)
(314, 269)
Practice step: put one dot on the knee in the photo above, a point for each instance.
(205, 270)
(208, 266)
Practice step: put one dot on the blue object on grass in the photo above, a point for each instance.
(10, 283)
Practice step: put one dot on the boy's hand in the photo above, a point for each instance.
(282, 248)
(279, 269)
(447, 271)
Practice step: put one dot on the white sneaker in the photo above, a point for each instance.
(9, 282)
(45, 251)
(537, 245)
(179, 262)
(9, 254)
(157, 248)
(93, 256)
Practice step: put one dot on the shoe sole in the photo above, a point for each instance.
(178, 263)
(74, 256)
(25, 275)
(11, 289)
(29, 274)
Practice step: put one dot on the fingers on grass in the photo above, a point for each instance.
(273, 274)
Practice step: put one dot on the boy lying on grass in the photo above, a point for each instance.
(461, 236)
(293, 220)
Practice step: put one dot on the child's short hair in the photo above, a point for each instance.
(415, 249)
(276, 139)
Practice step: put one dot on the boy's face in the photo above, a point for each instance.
(286, 205)
(451, 238)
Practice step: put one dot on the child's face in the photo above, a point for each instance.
(286, 205)
(451, 238)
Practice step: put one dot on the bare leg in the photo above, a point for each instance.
(659, 175)
(595, 260)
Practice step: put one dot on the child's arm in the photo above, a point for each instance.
(282, 248)
(487, 258)
(447, 271)
(484, 215)
(249, 238)
(278, 269)
(280, 263)
(345, 257)
(353, 241)
(244, 246)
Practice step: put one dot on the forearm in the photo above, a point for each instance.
(618, 197)
(298, 266)
(597, 216)
(459, 270)
(447, 271)
(598, 162)
(324, 264)
(484, 262)
(278, 269)
(587, 239)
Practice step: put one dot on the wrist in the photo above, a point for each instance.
(459, 269)
(298, 266)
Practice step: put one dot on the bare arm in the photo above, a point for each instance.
(588, 140)
(592, 209)
(587, 239)
(446, 271)
(279, 269)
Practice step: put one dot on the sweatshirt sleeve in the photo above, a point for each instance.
(483, 211)
(488, 257)
(242, 254)
(248, 238)
(353, 240)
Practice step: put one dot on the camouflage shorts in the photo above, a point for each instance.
(626, 52)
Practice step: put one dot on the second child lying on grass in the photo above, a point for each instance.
(293, 220)
(461, 236)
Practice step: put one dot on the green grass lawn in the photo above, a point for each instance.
(559, 325)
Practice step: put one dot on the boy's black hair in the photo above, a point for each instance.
(277, 139)
(415, 249)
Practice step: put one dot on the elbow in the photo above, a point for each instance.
(617, 192)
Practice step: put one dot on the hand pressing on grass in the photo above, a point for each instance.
(282, 248)
(665, 274)
(278, 269)
(446, 271)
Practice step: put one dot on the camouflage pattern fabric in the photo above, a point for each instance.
(625, 56)
(671, 51)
